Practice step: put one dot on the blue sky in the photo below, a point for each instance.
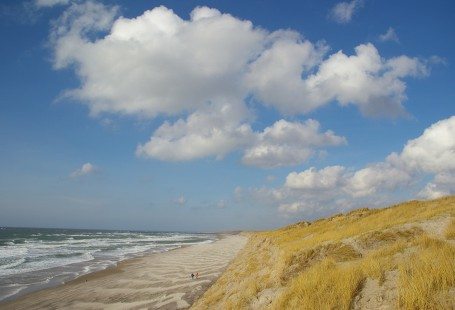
(220, 115)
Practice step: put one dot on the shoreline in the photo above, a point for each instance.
(55, 282)
(156, 271)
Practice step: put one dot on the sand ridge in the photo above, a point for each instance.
(157, 281)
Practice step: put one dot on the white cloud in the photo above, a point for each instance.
(443, 184)
(180, 200)
(288, 143)
(433, 151)
(204, 70)
(86, 169)
(213, 131)
(216, 131)
(437, 60)
(276, 76)
(369, 180)
(336, 188)
(50, 3)
(156, 63)
(343, 12)
(262, 196)
(312, 179)
(222, 204)
(215, 57)
(390, 35)
(290, 208)
(365, 79)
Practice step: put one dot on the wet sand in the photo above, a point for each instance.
(156, 281)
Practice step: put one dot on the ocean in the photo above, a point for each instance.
(35, 258)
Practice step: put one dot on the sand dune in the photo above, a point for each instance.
(400, 257)
(157, 281)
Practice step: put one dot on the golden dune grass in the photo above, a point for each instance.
(311, 291)
(450, 231)
(427, 274)
(324, 265)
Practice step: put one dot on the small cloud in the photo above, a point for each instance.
(437, 60)
(50, 3)
(24, 13)
(180, 200)
(108, 124)
(222, 204)
(390, 35)
(270, 178)
(27, 12)
(86, 169)
(343, 12)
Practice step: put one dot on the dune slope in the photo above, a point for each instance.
(398, 257)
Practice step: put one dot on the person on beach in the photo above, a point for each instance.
(192, 275)
(197, 275)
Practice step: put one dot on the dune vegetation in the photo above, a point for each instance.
(402, 256)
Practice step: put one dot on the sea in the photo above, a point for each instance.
(36, 258)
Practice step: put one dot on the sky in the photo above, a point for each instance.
(221, 115)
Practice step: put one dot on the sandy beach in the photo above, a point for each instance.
(156, 281)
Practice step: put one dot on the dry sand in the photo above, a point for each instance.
(157, 281)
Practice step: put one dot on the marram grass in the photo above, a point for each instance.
(325, 264)
(450, 231)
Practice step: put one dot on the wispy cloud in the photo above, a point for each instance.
(84, 170)
(344, 11)
(181, 200)
(438, 60)
(390, 35)
(50, 3)
(222, 204)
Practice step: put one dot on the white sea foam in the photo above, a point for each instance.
(34, 258)
(13, 264)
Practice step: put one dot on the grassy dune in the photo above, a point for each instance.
(399, 257)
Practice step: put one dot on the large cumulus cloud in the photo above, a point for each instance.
(203, 70)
